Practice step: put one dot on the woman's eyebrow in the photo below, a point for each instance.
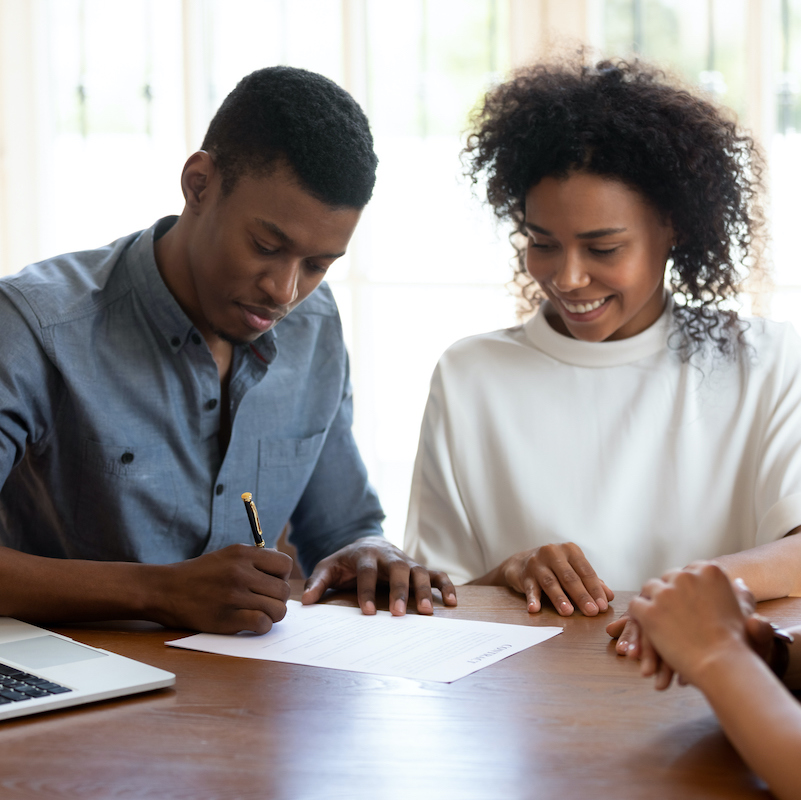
(599, 233)
(536, 229)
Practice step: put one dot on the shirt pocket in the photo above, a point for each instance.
(285, 468)
(127, 501)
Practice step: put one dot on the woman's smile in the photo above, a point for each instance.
(598, 250)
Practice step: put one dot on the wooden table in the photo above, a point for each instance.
(564, 719)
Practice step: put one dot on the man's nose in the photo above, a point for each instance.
(571, 274)
(281, 283)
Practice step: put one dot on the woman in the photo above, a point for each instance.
(697, 625)
(635, 422)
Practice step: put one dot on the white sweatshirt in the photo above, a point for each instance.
(531, 437)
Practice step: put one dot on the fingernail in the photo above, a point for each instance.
(602, 604)
(566, 607)
(533, 607)
(621, 645)
(399, 609)
(369, 607)
(425, 604)
(630, 648)
(590, 607)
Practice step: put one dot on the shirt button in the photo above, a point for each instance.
(175, 341)
(220, 489)
(195, 338)
(212, 404)
(127, 458)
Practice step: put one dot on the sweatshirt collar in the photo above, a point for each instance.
(598, 354)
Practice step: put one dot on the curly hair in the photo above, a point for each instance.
(625, 121)
(304, 119)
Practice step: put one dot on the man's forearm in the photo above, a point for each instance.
(60, 590)
(237, 588)
(771, 570)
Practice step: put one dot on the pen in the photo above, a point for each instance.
(253, 516)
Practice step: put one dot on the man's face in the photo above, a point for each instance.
(258, 252)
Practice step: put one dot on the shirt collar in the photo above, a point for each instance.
(598, 354)
(168, 316)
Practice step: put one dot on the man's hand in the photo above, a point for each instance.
(238, 588)
(562, 572)
(369, 560)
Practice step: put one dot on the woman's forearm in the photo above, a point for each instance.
(771, 570)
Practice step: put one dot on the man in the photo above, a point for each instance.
(145, 385)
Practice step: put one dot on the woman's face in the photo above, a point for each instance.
(598, 250)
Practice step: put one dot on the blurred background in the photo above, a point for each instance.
(101, 101)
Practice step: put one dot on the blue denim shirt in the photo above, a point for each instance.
(110, 409)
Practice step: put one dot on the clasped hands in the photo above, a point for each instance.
(689, 619)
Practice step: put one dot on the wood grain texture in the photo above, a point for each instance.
(565, 719)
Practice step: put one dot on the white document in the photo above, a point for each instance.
(412, 646)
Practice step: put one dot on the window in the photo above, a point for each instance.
(122, 92)
(747, 55)
(107, 99)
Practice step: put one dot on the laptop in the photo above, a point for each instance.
(42, 671)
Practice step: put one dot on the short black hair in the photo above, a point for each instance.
(290, 115)
(629, 121)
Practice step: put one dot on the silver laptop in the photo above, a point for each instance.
(42, 671)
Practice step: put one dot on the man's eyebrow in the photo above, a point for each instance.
(274, 229)
(287, 240)
(597, 234)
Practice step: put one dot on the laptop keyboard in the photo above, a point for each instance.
(16, 685)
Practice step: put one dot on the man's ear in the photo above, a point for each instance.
(196, 179)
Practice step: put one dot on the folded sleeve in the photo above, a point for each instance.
(438, 530)
(778, 483)
(29, 385)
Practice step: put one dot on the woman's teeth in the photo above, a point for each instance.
(583, 308)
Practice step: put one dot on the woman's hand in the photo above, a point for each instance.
(560, 571)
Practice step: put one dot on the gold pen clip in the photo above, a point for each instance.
(253, 516)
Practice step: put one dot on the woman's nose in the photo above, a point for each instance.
(571, 274)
